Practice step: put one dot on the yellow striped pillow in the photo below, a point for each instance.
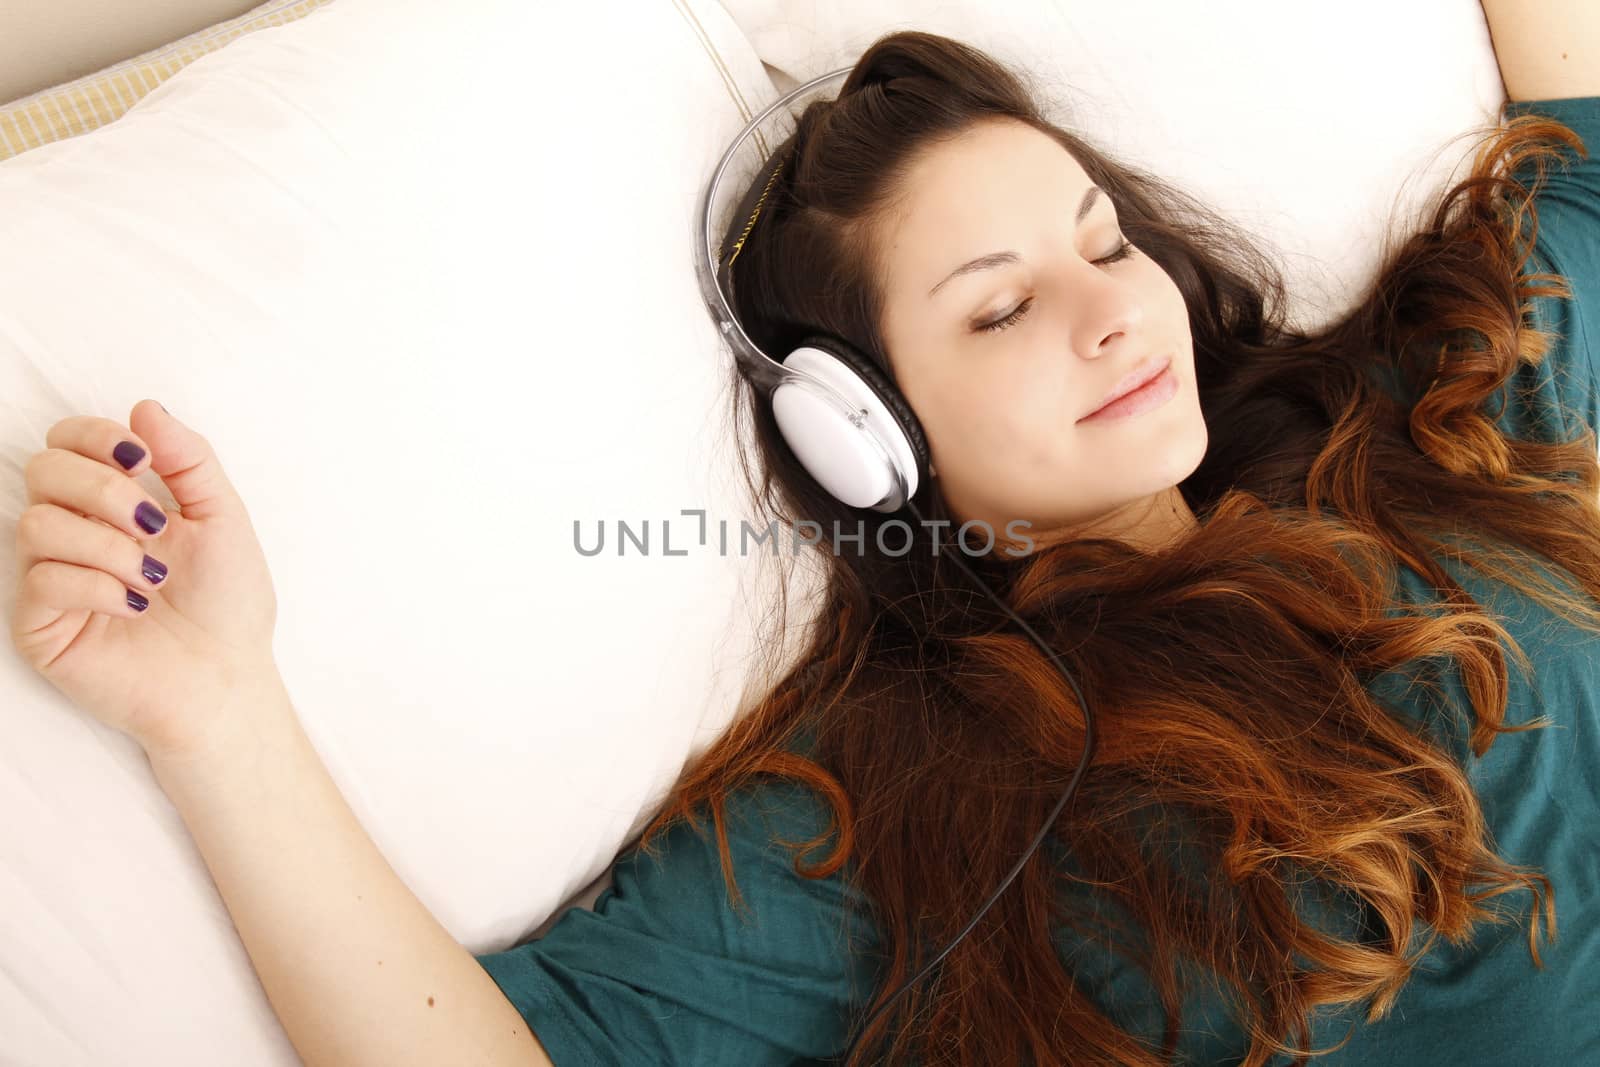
(94, 100)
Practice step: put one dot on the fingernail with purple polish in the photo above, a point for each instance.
(136, 601)
(128, 454)
(150, 518)
(154, 570)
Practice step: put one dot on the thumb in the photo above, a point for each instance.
(185, 461)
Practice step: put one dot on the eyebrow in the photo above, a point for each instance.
(1000, 259)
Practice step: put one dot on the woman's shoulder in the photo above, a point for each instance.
(779, 807)
(1559, 397)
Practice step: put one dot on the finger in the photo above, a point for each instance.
(79, 483)
(186, 462)
(106, 440)
(47, 531)
(51, 588)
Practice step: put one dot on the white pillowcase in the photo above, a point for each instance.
(422, 273)
(1305, 123)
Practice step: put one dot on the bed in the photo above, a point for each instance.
(422, 274)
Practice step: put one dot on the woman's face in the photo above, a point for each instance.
(1005, 410)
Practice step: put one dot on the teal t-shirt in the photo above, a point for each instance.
(663, 971)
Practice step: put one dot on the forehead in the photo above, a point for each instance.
(965, 196)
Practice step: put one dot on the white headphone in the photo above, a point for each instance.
(836, 409)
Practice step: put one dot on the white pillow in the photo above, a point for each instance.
(422, 273)
(1305, 123)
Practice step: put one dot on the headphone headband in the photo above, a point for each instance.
(712, 214)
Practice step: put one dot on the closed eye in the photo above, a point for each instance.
(1123, 251)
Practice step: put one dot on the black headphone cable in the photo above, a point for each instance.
(1072, 787)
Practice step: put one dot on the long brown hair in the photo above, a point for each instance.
(1228, 674)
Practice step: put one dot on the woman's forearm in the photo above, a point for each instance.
(357, 970)
(1546, 49)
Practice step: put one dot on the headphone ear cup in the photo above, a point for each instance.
(884, 390)
(848, 426)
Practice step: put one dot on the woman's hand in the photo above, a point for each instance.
(161, 675)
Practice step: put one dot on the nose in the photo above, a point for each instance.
(1103, 311)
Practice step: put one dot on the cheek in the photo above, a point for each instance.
(1018, 429)
(968, 425)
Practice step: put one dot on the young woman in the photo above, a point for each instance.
(1287, 577)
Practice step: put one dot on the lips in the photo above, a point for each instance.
(1141, 376)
